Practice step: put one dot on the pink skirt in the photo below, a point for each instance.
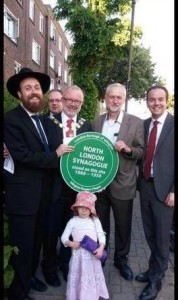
(86, 280)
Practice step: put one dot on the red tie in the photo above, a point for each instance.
(150, 151)
(69, 132)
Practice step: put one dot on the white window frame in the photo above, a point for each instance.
(17, 67)
(32, 10)
(41, 23)
(59, 69)
(36, 52)
(58, 86)
(60, 44)
(69, 80)
(11, 25)
(52, 32)
(65, 53)
(65, 75)
(52, 84)
(52, 59)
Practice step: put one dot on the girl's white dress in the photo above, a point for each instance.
(85, 279)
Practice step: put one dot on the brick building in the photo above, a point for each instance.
(34, 39)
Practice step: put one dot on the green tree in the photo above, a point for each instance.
(142, 71)
(100, 49)
(92, 27)
(171, 104)
(9, 101)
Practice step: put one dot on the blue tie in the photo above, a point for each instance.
(41, 133)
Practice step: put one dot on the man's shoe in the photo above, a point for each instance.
(38, 285)
(125, 270)
(52, 280)
(142, 277)
(151, 290)
(65, 271)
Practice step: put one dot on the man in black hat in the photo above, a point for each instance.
(27, 190)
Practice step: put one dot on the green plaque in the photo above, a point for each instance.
(92, 165)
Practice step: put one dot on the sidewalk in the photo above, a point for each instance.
(119, 288)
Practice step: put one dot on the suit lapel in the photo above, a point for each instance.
(165, 131)
(99, 124)
(123, 127)
(26, 120)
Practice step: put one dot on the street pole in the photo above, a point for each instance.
(130, 55)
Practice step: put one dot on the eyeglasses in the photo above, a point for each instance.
(71, 101)
(54, 100)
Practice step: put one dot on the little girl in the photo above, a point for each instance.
(85, 278)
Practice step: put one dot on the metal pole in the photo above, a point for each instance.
(130, 55)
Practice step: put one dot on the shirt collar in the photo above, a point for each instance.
(118, 119)
(64, 118)
(162, 118)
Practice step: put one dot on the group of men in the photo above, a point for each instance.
(38, 201)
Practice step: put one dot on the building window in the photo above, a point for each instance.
(58, 86)
(11, 25)
(52, 59)
(32, 10)
(53, 33)
(41, 23)
(69, 80)
(65, 54)
(52, 84)
(65, 76)
(36, 52)
(59, 69)
(17, 67)
(60, 44)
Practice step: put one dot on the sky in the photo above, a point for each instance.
(156, 18)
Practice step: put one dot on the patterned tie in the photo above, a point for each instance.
(150, 151)
(41, 133)
(69, 132)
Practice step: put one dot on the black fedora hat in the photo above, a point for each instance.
(14, 81)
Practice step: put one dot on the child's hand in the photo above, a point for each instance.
(99, 251)
(74, 245)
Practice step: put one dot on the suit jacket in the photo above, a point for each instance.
(23, 188)
(55, 138)
(163, 160)
(131, 132)
(55, 133)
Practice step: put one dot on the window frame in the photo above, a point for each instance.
(32, 10)
(36, 52)
(11, 25)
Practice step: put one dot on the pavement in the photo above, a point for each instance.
(119, 288)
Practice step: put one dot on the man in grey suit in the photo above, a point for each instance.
(157, 191)
(126, 132)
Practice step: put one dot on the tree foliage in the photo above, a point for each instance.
(92, 29)
(100, 30)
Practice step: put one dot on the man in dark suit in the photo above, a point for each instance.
(72, 101)
(156, 186)
(28, 188)
(54, 102)
(125, 131)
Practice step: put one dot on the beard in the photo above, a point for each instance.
(34, 106)
(113, 109)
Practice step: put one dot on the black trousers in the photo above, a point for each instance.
(27, 233)
(122, 212)
(157, 221)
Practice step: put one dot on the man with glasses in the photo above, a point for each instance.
(62, 198)
(54, 102)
